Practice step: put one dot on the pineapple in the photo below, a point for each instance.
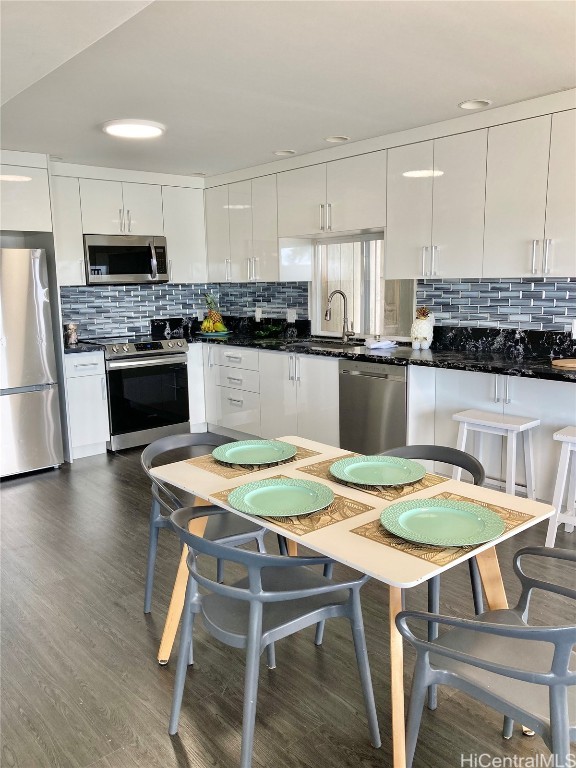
(422, 328)
(212, 323)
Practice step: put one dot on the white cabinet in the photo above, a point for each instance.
(302, 201)
(231, 382)
(299, 396)
(240, 216)
(196, 393)
(436, 194)
(217, 234)
(68, 242)
(25, 199)
(117, 207)
(265, 229)
(87, 403)
(559, 256)
(185, 232)
(517, 173)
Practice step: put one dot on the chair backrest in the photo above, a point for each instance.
(442, 453)
(531, 583)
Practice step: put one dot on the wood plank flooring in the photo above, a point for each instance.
(80, 684)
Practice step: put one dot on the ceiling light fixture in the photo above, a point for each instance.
(13, 177)
(131, 128)
(285, 152)
(337, 139)
(475, 104)
(422, 174)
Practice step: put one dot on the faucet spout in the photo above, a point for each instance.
(347, 333)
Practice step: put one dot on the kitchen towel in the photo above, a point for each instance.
(382, 344)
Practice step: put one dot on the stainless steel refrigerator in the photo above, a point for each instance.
(30, 428)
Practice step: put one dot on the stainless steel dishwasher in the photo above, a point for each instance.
(372, 406)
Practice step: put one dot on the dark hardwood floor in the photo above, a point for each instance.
(81, 686)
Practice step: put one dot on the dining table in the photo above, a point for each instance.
(349, 531)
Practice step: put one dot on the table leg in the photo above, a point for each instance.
(492, 579)
(197, 527)
(292, 548)
(397, 682)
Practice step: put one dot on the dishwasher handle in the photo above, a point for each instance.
(371, 375)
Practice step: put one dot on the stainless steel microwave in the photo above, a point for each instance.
(122, 259)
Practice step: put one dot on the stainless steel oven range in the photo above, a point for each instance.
(147, 390)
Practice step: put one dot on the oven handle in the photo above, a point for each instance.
(153, 262)
(117, 365)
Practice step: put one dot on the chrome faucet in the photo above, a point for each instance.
(346, 334)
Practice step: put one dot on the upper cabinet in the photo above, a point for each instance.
(265, 229)
(436, 194)
(25, 199)
(240, 217)
(121, 208)
(68, 239)
(343, 195)
(185, 234)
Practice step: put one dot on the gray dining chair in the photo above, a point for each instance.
(526, 672)
(277, 597)
(224, 526)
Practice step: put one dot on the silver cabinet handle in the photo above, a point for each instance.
(255, 259)
(234, 401)
(535, 244)
(296, 368)
(210, 363)
(121, 219)
(129, 220)
(227, 269)
(237, 358)
(507, 390)
(329, 217)
(103, 387)
(433, 252)
(85, 365)
(322, 216)
(170, 270)
(496, 395)
(291, 368)
(547, 244)
(424, 254)
(82, 275)
(234, 378)
(249, 265)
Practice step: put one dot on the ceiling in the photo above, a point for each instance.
(234, 80)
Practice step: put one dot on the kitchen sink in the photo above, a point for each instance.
(321, 346)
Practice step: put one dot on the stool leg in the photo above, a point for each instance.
(529, 463)
(480, 447)
(571, 500)
(511, 463)
(461, 445)
(558, 493)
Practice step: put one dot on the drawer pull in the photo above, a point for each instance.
(237, 358)
(85, 365)
(234, 378)
(234, 401)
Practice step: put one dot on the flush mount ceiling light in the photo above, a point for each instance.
(422, 174)
(285, 152)
(337, 139)
(130, 128)
(475, 104)
(13, 177)
(237, 207)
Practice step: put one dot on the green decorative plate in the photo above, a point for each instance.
(377, 470)
(213, 334)
(254, 452)
(281, 497)
(442, 523)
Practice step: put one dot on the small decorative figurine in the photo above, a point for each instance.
(72, 334)
(422, 329)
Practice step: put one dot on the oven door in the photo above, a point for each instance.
(147, 394)
(124, 259)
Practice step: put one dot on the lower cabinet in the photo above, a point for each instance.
(87, 404)
(231, 386)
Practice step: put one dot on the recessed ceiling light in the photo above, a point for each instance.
(237, 207)
(475, 104)
(13, 177)
(422, 174)
(337, 139)
(134, 129)
(285, 152)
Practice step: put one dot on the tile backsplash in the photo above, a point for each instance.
(542, 304)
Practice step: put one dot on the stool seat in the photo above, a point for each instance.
(507, 426)
(567, 437)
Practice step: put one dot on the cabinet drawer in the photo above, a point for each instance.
(238, 378)
(84, 364)
(237, 357)
(240, 410)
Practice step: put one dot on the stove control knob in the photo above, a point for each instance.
(125, 347)
(179, 343)
(114, 348)
(170, 344)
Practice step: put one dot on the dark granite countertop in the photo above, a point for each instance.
(484, 362)
(80, 347)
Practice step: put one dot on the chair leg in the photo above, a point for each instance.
(184, 654)
(560, 727)
(558, 493)
(260, 542)
(359, 636)
(251, 684)
(415, 708)
(507, 727)
(282, 546)
(476, 583)
(219, 571)
(433, 607)
(151, 562)
(319, 637)
(271, 656)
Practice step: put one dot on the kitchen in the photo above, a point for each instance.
(247, 225)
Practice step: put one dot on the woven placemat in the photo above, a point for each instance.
(230, 471)
(385, 492)
(342, 508)
(437, 555)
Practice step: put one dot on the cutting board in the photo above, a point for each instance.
(567, 362)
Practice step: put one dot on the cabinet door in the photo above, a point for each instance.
(142, 209)
(517, 173)
(217, 234)
(409, 218)
(318, 401)
(301, 193)
(102, 207)
(88, 425)
(240, 217)
(68, 242)
(213, 404)
(459, 391)
(265, 229)
(185, 234)
(25, 200)
(196, 397)
(458, 205)
(277, 395)
(561, 200)
(356, 192)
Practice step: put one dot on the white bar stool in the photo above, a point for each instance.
(509, 427)
(567, 437)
